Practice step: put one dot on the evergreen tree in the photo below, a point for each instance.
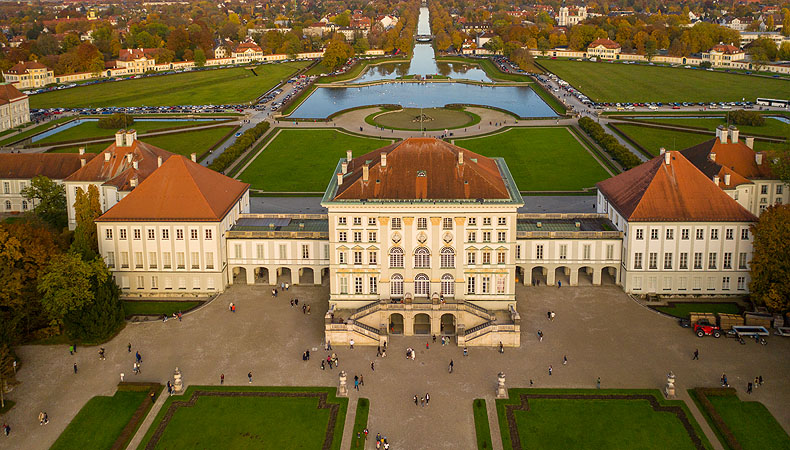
(50, 201)
(100, 320)
(86, 209)
(770, 266)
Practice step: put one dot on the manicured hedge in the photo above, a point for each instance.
(242, 143)
(609, 143)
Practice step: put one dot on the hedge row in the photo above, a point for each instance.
(609, 143)
(242, 143)
(702, 396)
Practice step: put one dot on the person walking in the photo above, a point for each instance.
(351, 344)
(46, 418)
(356, 382)
(249, 375)
(749, 388)
(41, 418)
(466, 351)
(565, 360)
(71, 350)
(129, 347)
(696, 354)
(323, 365)
(549, 369)
(422, 402)
(598, 383)
(372, 366)
(427, 399)
(416, 403)
(501, 347)
(361, 380)
(122, 374)
(540, 336)
(75, 367)
(138, 357)
(6, 429)
(451, 366)
(222, 378)
(760, 379)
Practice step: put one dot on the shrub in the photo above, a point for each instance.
(741, 117)
(116, 121)
(613, 147)
(242, 143)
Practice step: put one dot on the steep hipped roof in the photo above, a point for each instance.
(608, 43)
(119, 170)
(659, 192)
(9, 93)
(55, 166)
(423, 168)
(734, 158)
(247, 45)
(180, 190)
(130, 54)
(24, 66)
(726, 49)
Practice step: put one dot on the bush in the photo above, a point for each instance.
(706, 65)
(741, 117)
(116, 121)
(242, 143)
(617, 151)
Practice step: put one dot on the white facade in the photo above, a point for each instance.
(11, 197)
(565, 18)
(14, 113)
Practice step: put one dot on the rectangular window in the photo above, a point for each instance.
(372, 236)
(610, 251)
(684, 261)
(151, 234)
(373, 257)
(711, 283)
(470, 285)
(698, 260)
(422, 223)
(122, 234)
(180, 235)
(563, 251)
(471, 236)
(152, 260)
(502, 221)
(714, 234)
(357, 221)
(539, 251)
(518, 252)
(154, 282)
(341, 258)
(501, 236)
(670, 234)
(586, 251)
(764, 189)
(180, 260)
(447, 223)
(668, 261)
(357, 236)
(745, 234)
(357, 285)
(486, 257)
(472, 221)
(165, 234)
(209, 260)
(486, 236)
(396, 223)
(341, 220)
(208, 234)
(140, 282)
(727, 262)
(166, 264)
(283, 251)
(741, 283)
(342, 236)
(653, 260)
(111, 260)
(195, 256)
(357, 257)
(343, 285)
(742, 261)
(725, 283)
(712, 261)
(700, 234)
(654, 234)
(637, 260)
(259, 250)
(326, 251)
(729, 233)
(373, 285)
(193, 234)
(682, 283)
(138, 260)
(372, 221)
(486, 221)
(108, 234)
(500, 257)
(471, 258)
(500, 284)
(305, 251)
(640, 235)
(237, 250)
(485, 285)
(779, 189)
(684, 234)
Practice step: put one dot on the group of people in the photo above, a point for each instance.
(306, 355)
(758, 381)
(410, 353)
(43, 418)
(422, 401)
(331, 360)
(445, 340)
(550, 316)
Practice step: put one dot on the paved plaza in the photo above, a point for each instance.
(603, 332)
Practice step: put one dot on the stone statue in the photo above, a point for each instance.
(178, 383)
(501, 392)
(669, 389)
(342, 391)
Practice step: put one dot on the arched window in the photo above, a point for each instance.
(448, 258)
(396, 285)
(422, 285)
(24, 205)
(448, 285)
(422, 258)
(396, 257)
(8, 205)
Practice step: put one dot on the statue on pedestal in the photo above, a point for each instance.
(501, 392)
(342, 390)
(669, 389)
(178, 383)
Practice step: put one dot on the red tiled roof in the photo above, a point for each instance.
(24, 66)
(119, 170)
(726, 49)
(55, 166)
(423, 168)
(734, 158)
(678, 191)
(608, 43)
(130, 54)
(244, 46)
(8, 93)
(180, 190)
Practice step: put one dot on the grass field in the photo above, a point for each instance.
(652, 139)
(360, 424)
(303, 160)
(604, 82)
(35, 130)
(571, 423)
(772, 127)
(91, 130)
(482, 430)
(752, 425)
(133, 307)
(404, 119)
(244, 422)
(220, 86)
(100, 421)
(182, 143)
(683, 309)
(541, 159)
(489, 67)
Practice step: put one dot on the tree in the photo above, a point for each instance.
(50, 200)
(494, 44)
(337, 53)
(543, 45)
(650, 49)
(770, 266)
(523, 59)
(69, 284)
(86, 210)
(200, 57)
(100, 320)
(769, 23)
(6, 371)
(786, 22)
(361, 45)
(115, 121)
(178, 42)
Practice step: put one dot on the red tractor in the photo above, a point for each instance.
(704, 328)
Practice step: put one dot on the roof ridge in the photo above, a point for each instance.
(183, 160)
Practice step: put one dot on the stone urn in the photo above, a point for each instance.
(669, 389)
(178, 383)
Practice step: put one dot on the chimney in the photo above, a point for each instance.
(129, 157)
(666, 158)
(539, 224)
(344, 167)
(723, 137)
(339, 179)
(131, 136)
(750, 142)
(383, 159)
(365, 172)
(727, 179)
(716, 180)
(159, 161)
(133, 182)
(82, 162)
(82, 150)
(712, 156)
(120, 138)
(193, 157)
(460, 158)
(734, 134)
(349, 156)
(662, 150)
(134, 164)
(758, 158)
(718, 131)
(107, 157)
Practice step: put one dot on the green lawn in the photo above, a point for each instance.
(181, 143)
(683, 309)
(652, 139)
(100, 421)
(605, 82)
(35, 130)
(91, 130)
(489, 67)
(753, 426)
(219, 86)
(249, 422)
(597, 423)
(360, 423)
(132, 307)
(354, 72)
(541, 159)
(303, 160)
(482, 430)
(772, 127)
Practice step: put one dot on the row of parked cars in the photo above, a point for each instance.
(142, 110)
(297, 84)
